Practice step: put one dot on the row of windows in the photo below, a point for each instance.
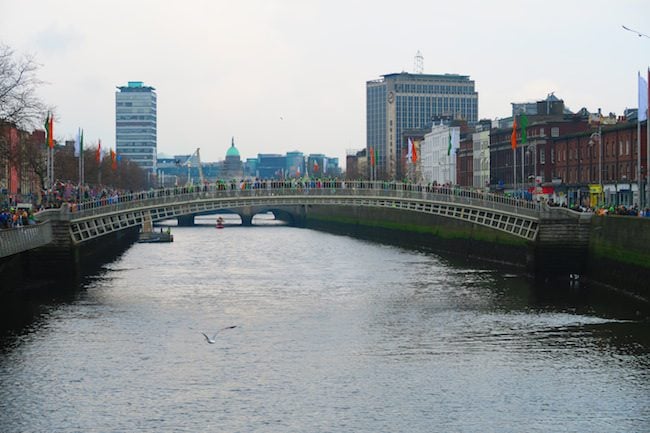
(135, 97)
(151, 118)
(539, 132)
(435, 89)
(126, 112)
(134, 130)
(426, 107)
(125, 124)
(126, 145)
(610, 149)
(128, 130)
(135, 103)
(144, 142)
(626, 172)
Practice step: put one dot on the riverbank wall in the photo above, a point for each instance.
(420, 230)
(619, 253)
(615, 250)
(62, 261)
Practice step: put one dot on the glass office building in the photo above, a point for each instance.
(135, 124)
(399, 102)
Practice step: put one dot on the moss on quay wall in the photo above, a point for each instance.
(421, 230)
(619, 253)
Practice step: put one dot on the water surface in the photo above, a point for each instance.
(333, 334)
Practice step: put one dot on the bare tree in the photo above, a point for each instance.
(18, 82)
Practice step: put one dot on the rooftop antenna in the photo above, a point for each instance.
(419, 63)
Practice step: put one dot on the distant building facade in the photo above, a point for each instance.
(136, 124)
(402, 101)
(585, 176)
(356, 164)
(465, 159)
(295, 164)
(270, 166)
(438, 155)
(481, 157)
(18, 180)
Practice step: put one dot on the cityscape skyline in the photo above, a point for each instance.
(288, 82)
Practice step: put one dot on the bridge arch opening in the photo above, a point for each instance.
(263, 217)
(266, 219)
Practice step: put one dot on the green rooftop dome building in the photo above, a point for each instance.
(232, 166)
(232, 151)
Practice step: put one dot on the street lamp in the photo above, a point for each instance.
(597, 136)
(647, 183)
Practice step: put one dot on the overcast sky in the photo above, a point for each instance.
(283, 75)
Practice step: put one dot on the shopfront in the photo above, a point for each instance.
(595, 195)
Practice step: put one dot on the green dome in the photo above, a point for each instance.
(232, 151)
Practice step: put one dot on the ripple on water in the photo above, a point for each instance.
(333, 334)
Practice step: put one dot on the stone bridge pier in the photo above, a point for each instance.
(562, 245)
(246, 220)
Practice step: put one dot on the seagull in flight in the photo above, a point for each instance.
(639, 34)
(213, 339)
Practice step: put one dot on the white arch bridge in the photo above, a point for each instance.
(556, 238)
(96, 218)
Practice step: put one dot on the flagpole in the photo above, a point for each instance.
(514, 169)
(51, 150)
(647, 144)
(81, 157)
(78, 156)
(513, 144)
(638, 158)
(643, 94)
(523, 175)
(49, 163)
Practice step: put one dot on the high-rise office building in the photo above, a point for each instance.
(135, 124)
(400, 102)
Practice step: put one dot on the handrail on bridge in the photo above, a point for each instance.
(151, 197)
(18, 239)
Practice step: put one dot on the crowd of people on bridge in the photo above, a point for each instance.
(606, 209)
(16, 217)
(76, 197)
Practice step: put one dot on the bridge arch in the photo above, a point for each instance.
(516, 217)
(551, 231)
(246, 214)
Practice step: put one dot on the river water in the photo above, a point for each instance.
(333, 334)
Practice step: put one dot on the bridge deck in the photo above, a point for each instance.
(96, 218)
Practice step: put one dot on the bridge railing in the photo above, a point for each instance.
(163, 196)
(19, 239)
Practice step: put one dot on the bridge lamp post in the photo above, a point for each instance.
(531, 152)
(593, 138)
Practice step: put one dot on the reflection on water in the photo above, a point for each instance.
(333, 334)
